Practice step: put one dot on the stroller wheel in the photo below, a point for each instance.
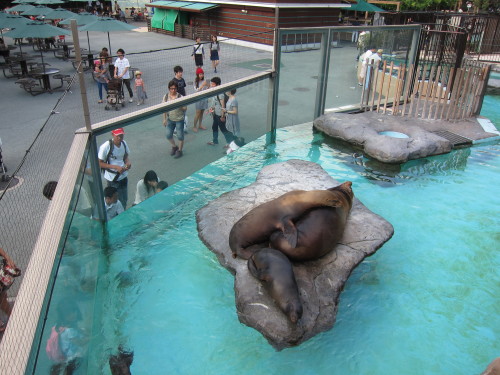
(106, 107)
(123, 104)
(117, 108)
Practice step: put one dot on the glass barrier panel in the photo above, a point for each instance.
(150, 150)
(70, 299)
(300, 64)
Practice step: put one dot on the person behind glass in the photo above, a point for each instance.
(180, 82)
(214, 52)
(122, 67)
(8, 270)
(231, 111)
(200, 84)
(162, 185)
(216, 108)
(146, 187)
(198, 53)
(140, 90)
(101, 75)
(114, 159)
(174, 120)
(112, 205)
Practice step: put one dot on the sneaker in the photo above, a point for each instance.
(212, 143)
(174, 150)
(178, 154)
(139, 103)
(131, 100)
(215, 70)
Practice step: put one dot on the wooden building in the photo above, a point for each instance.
(252, 21)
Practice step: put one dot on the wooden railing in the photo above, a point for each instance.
(424, 91)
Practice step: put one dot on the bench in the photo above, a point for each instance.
(29, 85)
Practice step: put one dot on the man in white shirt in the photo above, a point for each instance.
(364, 60)
(122, 67)
(111, 203)
(114, 159)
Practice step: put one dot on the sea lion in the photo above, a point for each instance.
(253, 230)
(318, 229)
(275, 270)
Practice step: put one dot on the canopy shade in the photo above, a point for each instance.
(186, 6)
(107, 24)
(83, 18)
(13, 21)
(34, 29)
(363, 6)
(22, 1)
(21, 8)
(49, 2)
(59, 14)
(39, 10)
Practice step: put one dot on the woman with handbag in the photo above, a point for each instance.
(8, 271)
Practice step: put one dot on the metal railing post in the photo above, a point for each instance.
(326, 42)
(272, 101)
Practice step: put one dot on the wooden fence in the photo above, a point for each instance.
(424, 91)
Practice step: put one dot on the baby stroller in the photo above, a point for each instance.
(115, 98)
(3, 168)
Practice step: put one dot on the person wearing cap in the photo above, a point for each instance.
(114, 159)
(139, 88)
(122, 67)
(200, 84)
(364, 60)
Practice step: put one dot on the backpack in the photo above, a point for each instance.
(111, 148)
(53, 347)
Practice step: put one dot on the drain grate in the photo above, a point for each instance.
(455, 139)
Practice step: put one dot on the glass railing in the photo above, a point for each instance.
(316, 69)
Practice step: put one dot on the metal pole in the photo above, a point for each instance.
(83, 92)
(326, 42)
(272, 101)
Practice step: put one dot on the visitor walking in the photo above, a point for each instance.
(174, 120)
(200, 84)
(122, 66)
(214, 52)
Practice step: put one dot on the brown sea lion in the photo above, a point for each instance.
(318, 229)
(275, 270)
(254, 229)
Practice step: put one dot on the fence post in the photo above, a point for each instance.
(326, 43)
(272, 101)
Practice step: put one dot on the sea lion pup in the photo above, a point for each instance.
(120, 363)
(275, 270)
(253, 230)
(319, 229)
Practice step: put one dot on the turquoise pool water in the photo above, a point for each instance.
(425, 303)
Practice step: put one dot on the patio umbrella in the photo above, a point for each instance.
(60, 14)
(22, 1)
(363, 6)
(107, 24)
(21, 8)
(83, 18)
(38, 2)
(39, 10)
(37, 29)
(12, 21)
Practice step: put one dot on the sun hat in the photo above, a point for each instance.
(380, 51)
(137, 72)
(118, 131)
(199, 71)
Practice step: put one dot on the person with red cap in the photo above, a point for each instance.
(200, 84)
(114, 159)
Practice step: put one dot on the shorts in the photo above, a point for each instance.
(175, 125)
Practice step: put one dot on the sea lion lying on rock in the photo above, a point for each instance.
(254, 229)
(318, 230)
(275, 270)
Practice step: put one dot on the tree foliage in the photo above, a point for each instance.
(428, 4)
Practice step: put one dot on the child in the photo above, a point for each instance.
(140, 90)
(198, 53)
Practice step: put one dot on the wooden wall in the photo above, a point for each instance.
(257, 24)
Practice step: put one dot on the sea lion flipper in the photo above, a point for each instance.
(290, 232)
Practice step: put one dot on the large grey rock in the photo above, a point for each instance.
(363, 129)
(320, 282)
